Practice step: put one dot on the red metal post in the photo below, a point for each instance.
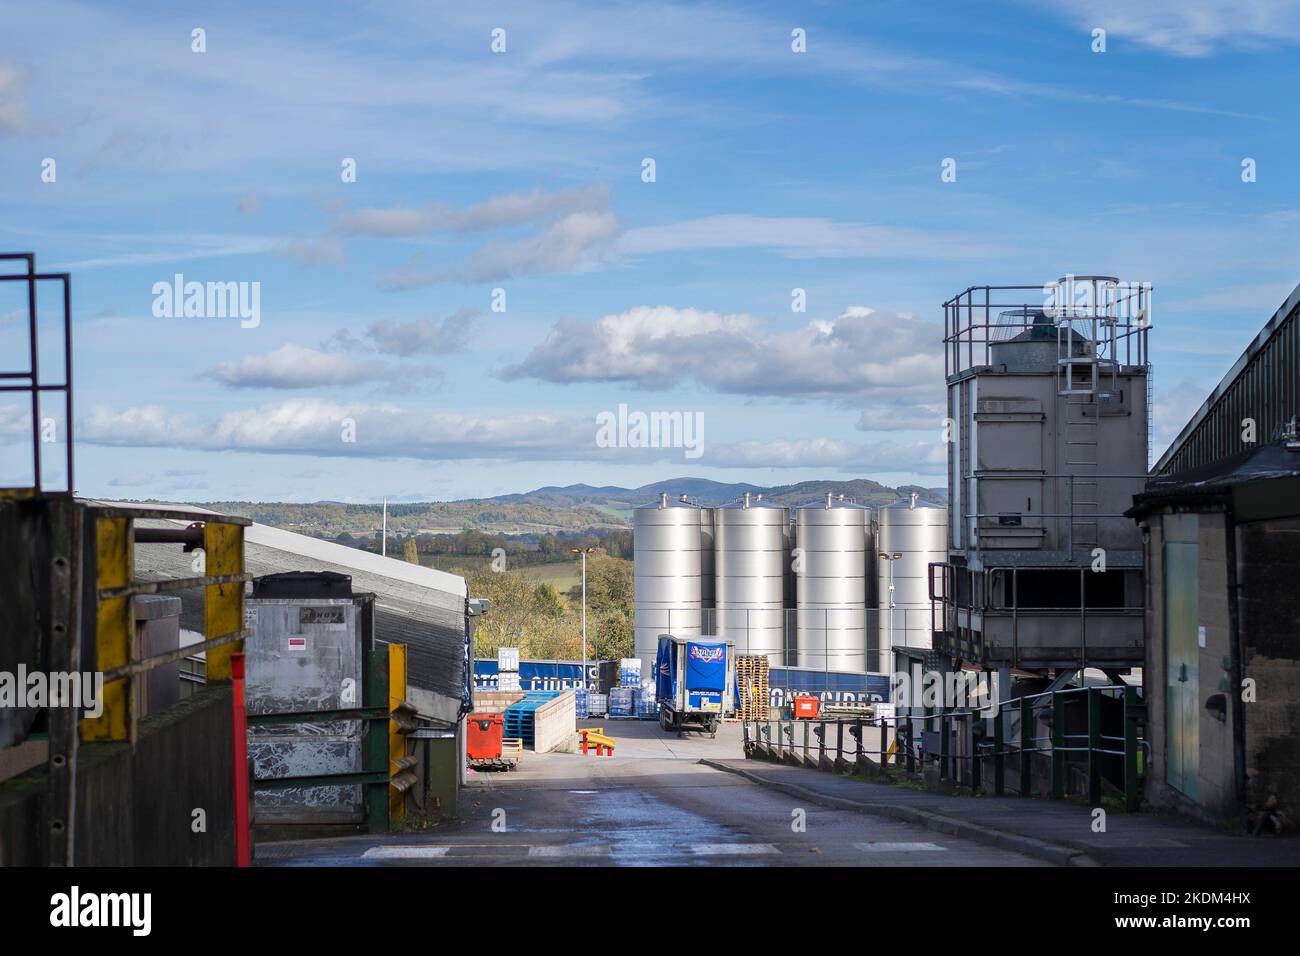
(239, 741)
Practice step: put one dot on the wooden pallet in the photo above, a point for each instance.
(751, 675)
(512, 748)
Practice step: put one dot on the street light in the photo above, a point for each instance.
(891, 558)
(584, 554)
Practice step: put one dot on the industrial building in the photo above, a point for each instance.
(136, 614)
(423, 609)
(1220, 525)
(1049, 427)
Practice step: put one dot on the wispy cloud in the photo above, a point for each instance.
(1188, 29)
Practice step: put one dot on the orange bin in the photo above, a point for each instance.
(806, 707)
(483, 736)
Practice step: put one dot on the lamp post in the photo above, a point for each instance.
(584, 553)
(891, 558)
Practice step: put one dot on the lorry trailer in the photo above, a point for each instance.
(694, 683)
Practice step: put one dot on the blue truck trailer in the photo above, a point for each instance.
(695, 678)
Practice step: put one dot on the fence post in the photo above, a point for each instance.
(943, 746)
(376, 695)
(999, 763)
(1058, 745)
(1026, 744)
(1094, 747)
(908, 747)
(1130, 749)
(839, 741)
(805, 740)
(239, 741)
(972, 753)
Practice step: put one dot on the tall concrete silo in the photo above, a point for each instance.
(830, 584)
(912, 534)
(751, 554)
(1050, 423)
(667, 551)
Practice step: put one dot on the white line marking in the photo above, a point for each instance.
(404, 852)
(897, 847)
(732, 849)
(561, 851)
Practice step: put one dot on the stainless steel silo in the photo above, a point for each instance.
(708, 597)
(667, 560)
(751, 554)
(912, 534)
(830, 584)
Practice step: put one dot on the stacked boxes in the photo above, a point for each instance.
(580, 700)
(647, 707)
(629, 672)
(622, 701)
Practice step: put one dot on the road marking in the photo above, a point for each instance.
(561, 851)
(404, 852)
(897, 847)
(732, 849)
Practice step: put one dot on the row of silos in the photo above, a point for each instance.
(799, 592)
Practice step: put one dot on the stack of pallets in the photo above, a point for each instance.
(519, 717)
(751, 675)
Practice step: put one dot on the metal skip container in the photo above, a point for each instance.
(751, 554)
(912, 534)
(667, 551)
(830, 584)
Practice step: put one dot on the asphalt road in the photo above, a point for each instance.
(651, 804)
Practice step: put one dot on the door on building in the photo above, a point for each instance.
(1182, 653)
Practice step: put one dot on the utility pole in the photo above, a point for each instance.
(383, 535)
(584, 554)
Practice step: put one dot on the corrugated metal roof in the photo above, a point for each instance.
(1257, 344)
(420, 607)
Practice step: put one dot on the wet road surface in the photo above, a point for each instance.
(650, 805)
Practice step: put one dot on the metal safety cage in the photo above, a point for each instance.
(29, 379)
(1114, 315)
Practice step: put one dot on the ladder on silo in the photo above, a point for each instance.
(1083, 493)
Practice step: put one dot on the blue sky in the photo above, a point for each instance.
(522, 171)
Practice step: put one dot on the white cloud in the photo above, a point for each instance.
(150, 425)
(1189, 29)
(315, 252)
(293, 366)
(13, 110)
(422, 336)
(860, 353)
(903, 415)
(917, 457)
(499, 212)
(1174, 407)
(804, 238)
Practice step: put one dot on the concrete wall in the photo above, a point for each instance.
(1270, 627)
(496, 701)
(136, 807)
(554, 723)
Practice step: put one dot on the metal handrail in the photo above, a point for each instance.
(1059, 743)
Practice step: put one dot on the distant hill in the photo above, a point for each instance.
(570, 508)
